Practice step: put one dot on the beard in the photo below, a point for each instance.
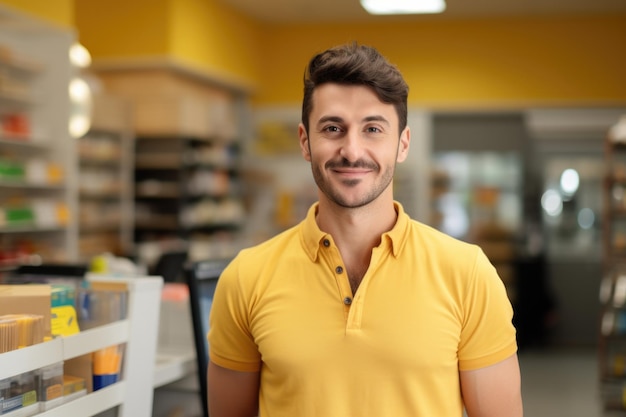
(339, 197)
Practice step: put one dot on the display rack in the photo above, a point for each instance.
(189, 130)
(37, 155)
(185, 185)
(612, 343)
(133, 394)
(105, 180)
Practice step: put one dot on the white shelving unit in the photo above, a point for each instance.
(133, 394)
(34, 112)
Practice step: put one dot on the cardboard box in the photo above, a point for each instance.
(27, 299)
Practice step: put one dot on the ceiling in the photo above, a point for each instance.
(321, 11)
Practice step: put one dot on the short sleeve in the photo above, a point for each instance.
(231, 345)
(488, 335)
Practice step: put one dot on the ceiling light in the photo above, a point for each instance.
(79, 56)
(403, 6)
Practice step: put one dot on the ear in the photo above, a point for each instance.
(403, 145)
(304, 142)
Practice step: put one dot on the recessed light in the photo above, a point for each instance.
(403, 6)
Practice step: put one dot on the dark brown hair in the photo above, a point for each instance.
(354, 64)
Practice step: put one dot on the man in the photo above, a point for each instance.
(360, 311)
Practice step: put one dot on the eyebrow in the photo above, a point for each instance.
(337, 119)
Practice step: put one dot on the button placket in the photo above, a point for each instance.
(339, 270)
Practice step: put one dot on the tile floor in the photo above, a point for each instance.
(561, 383)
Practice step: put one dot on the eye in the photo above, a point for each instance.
(373, 129)
(331, 129)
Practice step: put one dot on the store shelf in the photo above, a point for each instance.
(60, 349)
(31, 229)
(91, 404)
(612, 341)
(29, 186)
(23, 360)
(35, 109)
(17, 141)
(93, 339)
(16, 99)
(173, 365)
(138, 333)
(105, 183)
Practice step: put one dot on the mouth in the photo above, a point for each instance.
(358, 167)
(352, 172)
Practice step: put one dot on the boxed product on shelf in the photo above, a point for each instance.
(19, 215)
(50, 379)
(9, 336)
(98, 306)
(73, 387)
(20, 395)
(29, 328)
(11, 170)
(27, 299)
(107, 366)
(16, 124)
(63, 309)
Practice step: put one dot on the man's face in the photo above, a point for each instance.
(353, 144)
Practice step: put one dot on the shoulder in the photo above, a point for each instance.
(253, 261)
(433, 240)
(272, 247)
(445, 255)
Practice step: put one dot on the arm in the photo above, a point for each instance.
(232, 393)
(494, 391)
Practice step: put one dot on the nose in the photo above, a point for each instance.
(351, 146)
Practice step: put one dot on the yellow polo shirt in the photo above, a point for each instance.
(428, 306)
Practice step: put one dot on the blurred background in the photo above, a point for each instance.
(183, 138)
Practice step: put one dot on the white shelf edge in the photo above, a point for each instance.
(33, 357)
(91, 404)
(62, 348)
(172, 367)
(97, 338)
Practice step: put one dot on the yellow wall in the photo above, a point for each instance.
(485, 62)
(201, 34)
(215, 39)
(124, 28)
(566, 60)
(59, 12)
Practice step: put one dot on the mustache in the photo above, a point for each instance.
(344, 163)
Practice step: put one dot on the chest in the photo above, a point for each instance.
(393, 320)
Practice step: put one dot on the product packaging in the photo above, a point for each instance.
(97, 307)
(51, 386)
(107, 366)
(20, 394)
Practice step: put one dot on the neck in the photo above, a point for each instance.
(358, 229)
(356, 232)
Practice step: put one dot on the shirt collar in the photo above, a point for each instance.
(313, 238)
